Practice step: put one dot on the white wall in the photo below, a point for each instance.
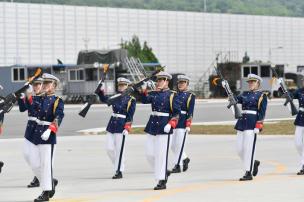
(183, 41)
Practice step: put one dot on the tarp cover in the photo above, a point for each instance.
(101, 56)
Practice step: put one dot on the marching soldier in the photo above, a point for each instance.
(254, 104)
(164, 118)
(49, 117)
(1, 122)
(187, 100)
(299, 131)
(30, 150)
(119, 126)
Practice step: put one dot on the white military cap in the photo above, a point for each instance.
(49, 77)
(183, 78)
(38, 80)
(123, 80)
(254, 77)
(164, 75)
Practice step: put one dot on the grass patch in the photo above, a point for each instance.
(272, 128)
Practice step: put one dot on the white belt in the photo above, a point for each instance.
(39, 122)
(301, 109)
(249, 112)
(119, 115)
(183, 112)
(155, 113)
(31, 118)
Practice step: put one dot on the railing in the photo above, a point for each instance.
(202, 87)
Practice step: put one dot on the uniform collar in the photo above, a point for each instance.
(166, 89)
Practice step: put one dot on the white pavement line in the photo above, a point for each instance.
(78, 106)
(97, 131)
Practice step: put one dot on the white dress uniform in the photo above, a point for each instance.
(254, 104)
(30, 149)
(164, 117)
(299, 132)
(119, 127)
(49, 118)
(187, 101)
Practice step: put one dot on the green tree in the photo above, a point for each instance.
(135, 49)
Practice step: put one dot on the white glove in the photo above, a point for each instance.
(223, 84)
(280, 80)
(144, 86)
(125, 132)
(22, 95)
(46, 135)
(29, 90)
(167, 128)
(187, 129)
(256, 131)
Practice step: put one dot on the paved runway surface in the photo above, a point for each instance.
(84, 172)
(98, 116)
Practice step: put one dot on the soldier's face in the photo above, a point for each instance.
(48, 87)
(37, 88)
(122, 87)
(162, 83)
(182, 85)
(253, 85)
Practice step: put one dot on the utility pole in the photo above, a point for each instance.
(205, 6)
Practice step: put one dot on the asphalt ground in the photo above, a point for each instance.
(84, 172)
(206, 111)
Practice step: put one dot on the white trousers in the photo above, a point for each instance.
(299, 142)
(41, 158)
(246, 142)
(31, 154)
(156, 150)
(114, 141)
(176, 145)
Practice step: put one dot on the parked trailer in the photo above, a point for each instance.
(264, 71)
(77, 81)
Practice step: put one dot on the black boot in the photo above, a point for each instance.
(301, 172)
(256, 167)
(176, 169)
(1, 165)
(186, 162)
(161, 185)
(246, 177)
(43, 197)
(118, 175)
(52, 193)
(34, 183)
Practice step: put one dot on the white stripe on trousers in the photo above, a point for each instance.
(156, 150)
(176, 145)
(42, 164)
(299, 142)
(114, 141)
(246, 141)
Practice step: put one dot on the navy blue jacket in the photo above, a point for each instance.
(126, 105)
(1, 119)
(254, 101)
(24, 105)
(50, 109)
(187, 102)
(299, 95)
(160, 102)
